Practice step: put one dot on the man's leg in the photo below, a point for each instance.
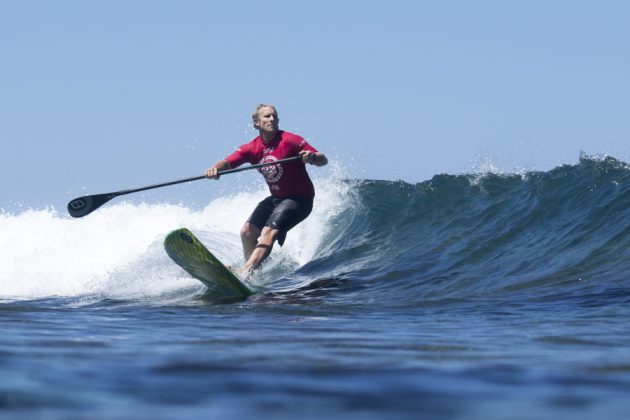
(262, 249)
(280, 216)
(251, 230)
(249, 238)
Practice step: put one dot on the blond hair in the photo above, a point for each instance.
(255, 113)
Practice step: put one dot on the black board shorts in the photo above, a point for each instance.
(281, 213)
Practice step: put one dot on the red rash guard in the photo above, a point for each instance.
(286, 179)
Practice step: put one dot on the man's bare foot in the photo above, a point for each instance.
(243, 272)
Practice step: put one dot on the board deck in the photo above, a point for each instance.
(191, 255)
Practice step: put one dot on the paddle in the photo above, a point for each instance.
(82, 206)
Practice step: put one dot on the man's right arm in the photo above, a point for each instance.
(213, 172)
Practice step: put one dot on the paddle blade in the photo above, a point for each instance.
(81, 206)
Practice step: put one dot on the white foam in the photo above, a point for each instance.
(117, 251)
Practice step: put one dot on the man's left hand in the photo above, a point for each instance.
(307, 156)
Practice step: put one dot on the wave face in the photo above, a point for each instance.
(546, 236)
(537, 235)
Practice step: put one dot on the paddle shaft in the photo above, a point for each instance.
(196, 178)
(82, 206)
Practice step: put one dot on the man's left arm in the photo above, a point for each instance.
(314, 158)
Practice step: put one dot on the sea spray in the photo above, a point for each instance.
(117, 250)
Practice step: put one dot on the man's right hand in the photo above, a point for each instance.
(212, 173)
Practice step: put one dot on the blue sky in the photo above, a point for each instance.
(99, 96)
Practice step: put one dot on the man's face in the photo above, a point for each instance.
(267, 119)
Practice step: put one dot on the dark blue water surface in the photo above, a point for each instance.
(473, 296)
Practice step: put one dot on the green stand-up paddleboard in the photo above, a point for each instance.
(190, 254)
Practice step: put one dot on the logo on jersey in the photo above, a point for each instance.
(272, 173)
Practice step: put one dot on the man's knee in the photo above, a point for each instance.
(250, 232)
(268, 236)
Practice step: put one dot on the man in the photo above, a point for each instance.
(292, 192)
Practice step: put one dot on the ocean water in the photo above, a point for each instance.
(475, 296)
